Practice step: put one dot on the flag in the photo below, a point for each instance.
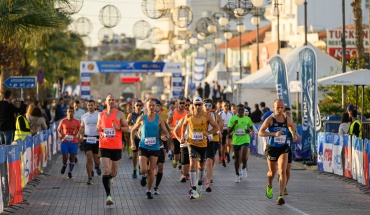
(4, 194)
(281, 79)
(15, 178)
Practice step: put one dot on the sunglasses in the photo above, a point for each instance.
(208, 105)
(198, 105)
(138, 105)
(181, 103)
(187, 105)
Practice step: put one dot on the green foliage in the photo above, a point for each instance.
(140, 55)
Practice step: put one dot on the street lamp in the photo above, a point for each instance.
(277, 14)
(256, 22)
(240, 28)
(223, 22)
(300, 2)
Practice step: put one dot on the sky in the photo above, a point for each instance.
(321, 14)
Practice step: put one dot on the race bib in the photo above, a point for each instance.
(226, 125)
(91, 140)
(109, 132)
(240, 132)
(197, 136)
(280, 139)
(150, 141)
(68, 138)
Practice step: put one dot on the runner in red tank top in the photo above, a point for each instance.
(111, 124)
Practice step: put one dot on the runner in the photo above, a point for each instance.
(90, 140)
(68, 130)
(198, 125)
(290, 155)
(111, 124)
(226, 138)
(173, 119)
(240, 126)
(149, 146)
(277, 149)
(131, 119)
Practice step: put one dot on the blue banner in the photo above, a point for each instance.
(281, 79)
(307, 61)
(199, 71)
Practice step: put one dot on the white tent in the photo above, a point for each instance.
(264, 81)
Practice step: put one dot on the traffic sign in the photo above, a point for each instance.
(21, 82)
(40, 76)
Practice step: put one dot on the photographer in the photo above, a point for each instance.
(7, 117)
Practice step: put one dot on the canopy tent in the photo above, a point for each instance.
(263, 78)
(352, 78)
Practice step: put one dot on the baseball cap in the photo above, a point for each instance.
(351, 107)
(197, 100)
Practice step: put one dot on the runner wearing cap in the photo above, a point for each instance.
(197, 139)
(226, 138)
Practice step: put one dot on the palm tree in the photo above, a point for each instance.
(357, 16)
(20, 19)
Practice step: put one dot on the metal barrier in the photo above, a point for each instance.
(333, 126)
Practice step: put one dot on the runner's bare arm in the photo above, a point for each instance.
(263, 133)
(177, 128)
(214, 125)
(183, 128)
(165, 134)
(124, 125)
(98, 124)
(134, 131)
(293, 129)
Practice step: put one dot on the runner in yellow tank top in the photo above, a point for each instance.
(197, 141)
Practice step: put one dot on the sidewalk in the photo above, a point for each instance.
(310, 192)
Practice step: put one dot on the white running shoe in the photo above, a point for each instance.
(237, 179)
(244, 173)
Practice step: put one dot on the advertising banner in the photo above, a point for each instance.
(337, 155)
(281, 79)
(4, 194)
(15, 178)
(357, 160)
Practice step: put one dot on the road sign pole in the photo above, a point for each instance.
(37, 91)
(21, 92)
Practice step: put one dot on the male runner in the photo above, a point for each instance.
(111, 124)
(277, 149)
(240, 126)
(197, 139)
(226, 140)
(131, 119)
(149, 145)
(68, 132)
(90, 140)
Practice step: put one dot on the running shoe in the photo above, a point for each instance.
(269, 192)
(134, 175)
(194, 194)
(156, 192)
(63, 170)
(92, 173)
(285, 191)
(200, 182)
(237, 179)
(89, 181)
(187, 177)
(149, 195)
(109, 201)
(76, 160)
(223, 163)
(280, 200)
(98, 170)
(228, 158)
(174, 164)
(244, 173)
(143, 181)
(182, 178)
(111, 181)
(69, 175)
(130, 157)
(219, 158)
(208, 188)
(179, 166)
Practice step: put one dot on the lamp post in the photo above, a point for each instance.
(240, 28)
(223, 21)
(277, 14)
(300, 2)
(256, 22)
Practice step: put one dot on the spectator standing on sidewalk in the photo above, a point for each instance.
(7, 117)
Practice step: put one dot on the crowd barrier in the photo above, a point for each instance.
(344, 155)
(22, 161)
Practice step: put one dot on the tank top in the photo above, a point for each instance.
(110, 138)
(135, 116)
(196, 128)
(175, 120)
(279, 126)
(215, 137)
(149, 134)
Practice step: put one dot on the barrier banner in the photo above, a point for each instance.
(328, 152)
(337, 155)
(280, 73)
(55, 149)
(347, 148)
(22, 146)
(297, 147)
(357, 160)
(14, 168)
(4, 194)
(366, 161)
(320, 151)
(50, 144)
(36, 157)
(254, 138)
(261, 146)
(28, 167)
(44, 147)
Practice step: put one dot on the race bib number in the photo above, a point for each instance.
(280, 139)
(239, 132)
(197, 136)
(226, 125)
(150, 141)
(109, 132)
(91, 140)
(68, 138)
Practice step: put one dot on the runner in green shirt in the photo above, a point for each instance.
(240, 126)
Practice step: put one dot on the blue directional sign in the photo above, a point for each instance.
(21, 82)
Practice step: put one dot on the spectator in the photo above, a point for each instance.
(7, 117)
(22, 127)
(355, 127)
(207, 90)
(46, 112)
(263, 106)
(36, 121)
(344, 124)
(200, 90)
(216, 92)
(247, 107)
(60, 110)
(223, 93)
(256, 115)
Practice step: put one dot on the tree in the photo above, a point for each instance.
(359, 31)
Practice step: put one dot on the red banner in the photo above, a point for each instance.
(130, 79)
(337, 52)
(15, 178)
